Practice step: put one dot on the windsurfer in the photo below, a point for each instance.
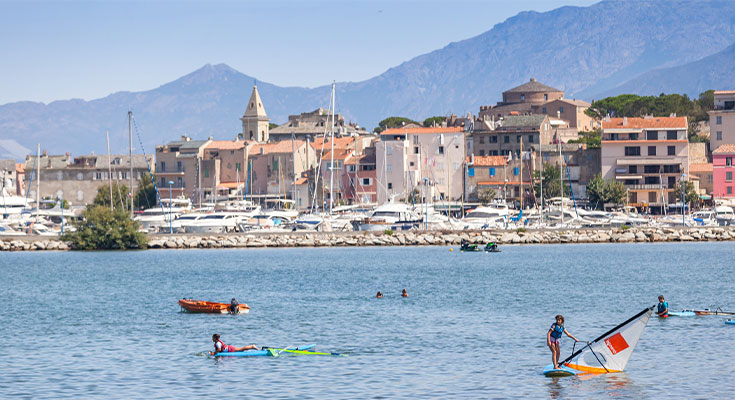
(553, 336)
(663, 307)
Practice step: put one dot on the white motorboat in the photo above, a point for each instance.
(724, 215)
(157, 218)
(216, 222)
(484, 217)
(390, 216)
(11, 204)
(7, 230)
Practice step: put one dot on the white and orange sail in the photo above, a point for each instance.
(611, 351)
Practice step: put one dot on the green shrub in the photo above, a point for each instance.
(103, 229)
(388, 232)
(521, 230)
(624, 227)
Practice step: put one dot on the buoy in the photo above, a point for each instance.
(450, 249)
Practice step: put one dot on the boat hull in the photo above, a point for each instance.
(210, 307)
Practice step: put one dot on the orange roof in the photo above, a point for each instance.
(339, 154)
(725, 149)
(20, 168)
(230, 185)
(339, 143)
(724, 91)
(226, 144)
(284, 146)
(399, 131)
(488, 161)
(301, 181)
(646, 123)
(707, 167)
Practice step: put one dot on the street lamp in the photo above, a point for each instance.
(683, 200)
(170, 211)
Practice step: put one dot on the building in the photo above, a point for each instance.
(333, 170)
(487, 175)
(11, 178)
(362, 179)
(722, 119)
(223, 169)
(702, 173)
(521, 100)
(275, 166)
(649, 155)
(255, 122)
(570, 110)
(180, 162)
(405, 157)
(313, 124)
(722, 171)
(77, 180)
(502, 137)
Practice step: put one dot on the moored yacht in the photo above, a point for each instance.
(393, 216)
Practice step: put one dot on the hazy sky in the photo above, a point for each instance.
(55, 50)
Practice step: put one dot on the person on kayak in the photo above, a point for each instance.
(221, 347)
(553, 336)
(379, 295)
(663, 307)
(404, 293)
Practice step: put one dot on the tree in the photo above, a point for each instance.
(271, 125)
(600, 192)
(592, 138)
(691, 194)
(104, 229)
(615, 192)
(146, 196)
(486, 195)
(393, 122)
(428, 122)
(551, 184)
(119, 196)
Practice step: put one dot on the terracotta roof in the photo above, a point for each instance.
(724, 91)
(20, 168)
(646, 123)
(230, 185)
(707, 167)
(301, 181)
(399, 131)
(339, 143)
(283, 146)
(488, 161)
(725, 149)
(531, 87)
(578, 103)
(226, 144)
(339, 154)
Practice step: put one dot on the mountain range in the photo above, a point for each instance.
(609, 48)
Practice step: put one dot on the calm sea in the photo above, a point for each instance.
(107, 325)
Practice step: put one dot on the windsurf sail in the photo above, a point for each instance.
(611, 351)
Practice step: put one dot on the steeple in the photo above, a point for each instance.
(255, 122)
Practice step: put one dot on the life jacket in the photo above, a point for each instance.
(222, 349)
(557, 330)
(663, 306)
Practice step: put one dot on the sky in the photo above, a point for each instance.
(56, 50)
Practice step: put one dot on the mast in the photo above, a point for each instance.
(521, 171)
(130, 136)
(541, 178)
(308, 168)
(561, 178)
(109, 168)
(38, 178)
(199, 181)
(293, 170)
(331, 161)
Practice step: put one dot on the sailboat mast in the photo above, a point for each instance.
(38, 178)
(331, 161)
(130, 136)
(521, 171)
(561, 179)
(109, 168)
(293, 169)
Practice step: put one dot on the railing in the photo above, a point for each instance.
(653, 186)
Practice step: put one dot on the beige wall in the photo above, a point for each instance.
(531, 97)
(724, 132)
(391, 169)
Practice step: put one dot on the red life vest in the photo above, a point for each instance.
(222, 349)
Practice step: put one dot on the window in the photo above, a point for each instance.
(410, 164)
(388, 168)
(651, 150)
(124, 175)
(163, 182)
(634, 136)
(482, 152)
(614, 136)
(493, 139)
(415, 149)
(718, 120)
(390, 185)
(237, 167)
(492, 153)
(523, 98)
(672, 182)
(206, 172)
(180, 182)
(530, 138)
(546, 98)
(728, 161)
(388, 150)
(728, 176)
(719, 135)
(651, 197)
(671, 150)
(632, 169)
(471, 171)
(491, 171)
(561, 110)
(163, 166)
(650, 169)
(671, 169)
(651, 180)
(506, 139)
(518, 138)
(632, 151)
(179, 167)
(350, 168)
(482, 140)
(515, 170)
(440, 166)
(652, 135)
(367, 181)
(543, 110)
(729, 190)
(709, 178)
(441, 149)
(670, 135)
(98, 175)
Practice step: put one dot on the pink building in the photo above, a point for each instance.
(723, 170)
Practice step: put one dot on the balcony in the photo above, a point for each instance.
(654, 186)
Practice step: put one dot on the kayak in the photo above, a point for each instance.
(730, 322)
(718, 311)
(210, 307)
(266, 351)
(563, 370)
(683, 313)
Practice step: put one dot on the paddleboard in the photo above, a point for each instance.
(730, 322)
(552, 372)
(267, 352)
(684, 313)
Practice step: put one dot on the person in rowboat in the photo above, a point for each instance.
(663, 307)
(221, 347)
(553, 336)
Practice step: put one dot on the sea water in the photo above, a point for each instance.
(107, 324)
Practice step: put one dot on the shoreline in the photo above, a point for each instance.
(400, 238)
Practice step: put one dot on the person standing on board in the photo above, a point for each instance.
(221, 347)
(663, 307)
(553, 336)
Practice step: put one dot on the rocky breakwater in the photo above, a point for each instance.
(32, 243)
(443, 238)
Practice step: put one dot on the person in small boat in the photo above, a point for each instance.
(404, 293)
(553, 336)
(234, 306)
(221, 347)
(379, 295)
(663, 307)
(491, 246)
(464, 244)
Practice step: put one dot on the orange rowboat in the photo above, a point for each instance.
(210, 307)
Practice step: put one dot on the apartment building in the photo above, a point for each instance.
(723, 169)
(275, 166)
(313, 124)
(180, 162)
(502, 137)
(722, 119)
(649, 155)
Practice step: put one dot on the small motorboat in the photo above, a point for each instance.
(470, 247)
(492, 248)
(210, 307)
(708, 311)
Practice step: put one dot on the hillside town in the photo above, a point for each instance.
(520, 162)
